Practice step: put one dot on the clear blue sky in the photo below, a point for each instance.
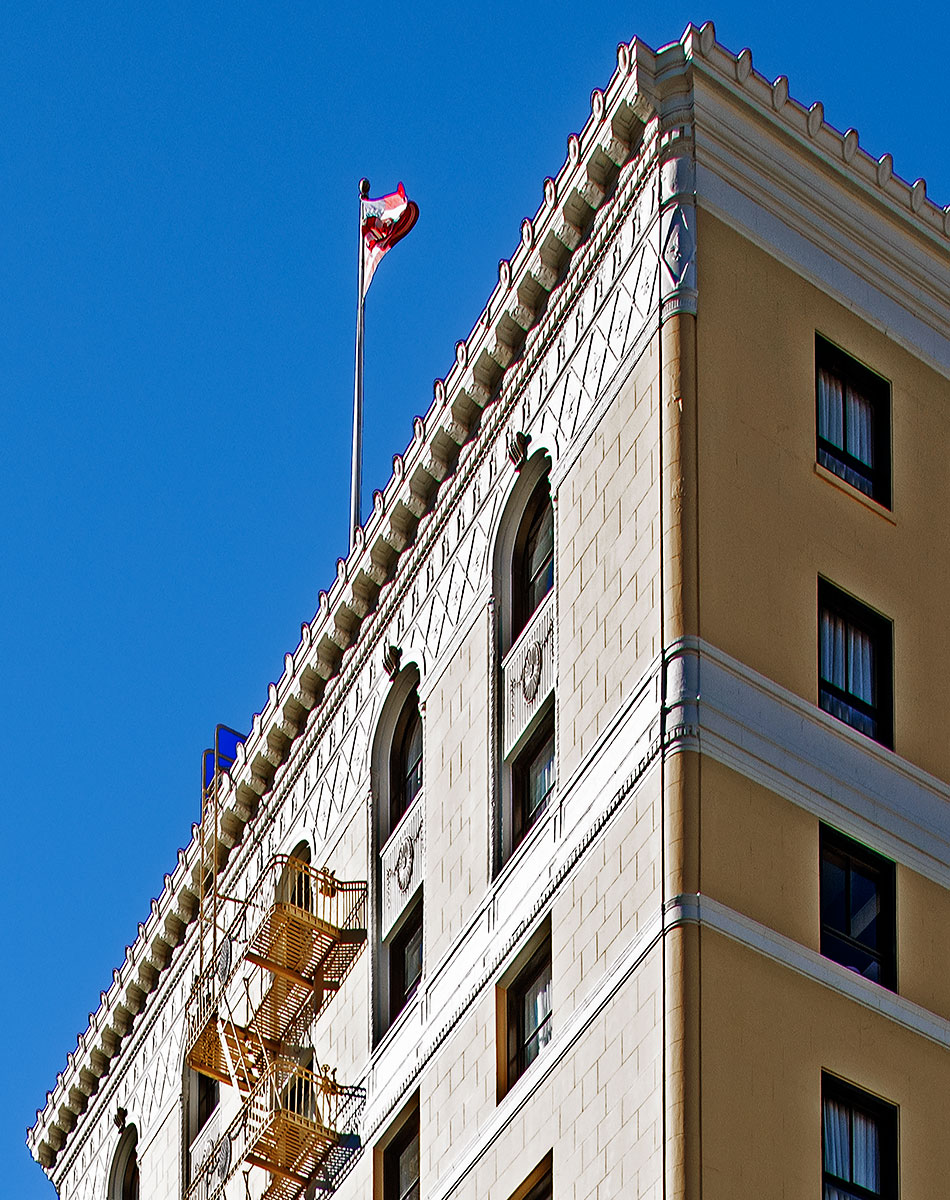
(178, 274)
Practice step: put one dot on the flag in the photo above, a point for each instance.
(383, 222)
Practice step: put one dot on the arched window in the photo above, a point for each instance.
(202, 1095)
(124, 1177)
(533, 559)
(296, 885)
(398, 773)
(524, 567)
(405, 771)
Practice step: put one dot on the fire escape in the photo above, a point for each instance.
(263, 977)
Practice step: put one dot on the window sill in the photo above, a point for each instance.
(391, 1032)
(533, 834)
(843, 486)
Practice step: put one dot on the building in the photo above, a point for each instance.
(595, 840)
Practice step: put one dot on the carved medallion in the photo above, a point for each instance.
(224, 959)
(531, 672)
(223, 1164)
(404, 861)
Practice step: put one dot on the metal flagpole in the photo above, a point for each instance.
(358, 388)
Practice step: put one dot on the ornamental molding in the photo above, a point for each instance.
(529, 673)
(402, 865)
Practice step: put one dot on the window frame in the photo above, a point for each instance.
(539, 1185)
(406, 1132)
(876, 390)
(401, 994)
(540, 502)
(534, 961)
(409, 719)
(832, 841)
(885, 1116)
(125, 1174)
(522, 822)
(880, 629)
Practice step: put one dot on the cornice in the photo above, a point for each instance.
(842, 153)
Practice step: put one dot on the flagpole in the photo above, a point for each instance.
(358, 387)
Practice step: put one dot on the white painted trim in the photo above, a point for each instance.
(787, 744)
(710, 914)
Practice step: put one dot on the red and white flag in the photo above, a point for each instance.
(383, 222)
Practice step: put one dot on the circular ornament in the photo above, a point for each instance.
(224, 959)
(531, 672)
(223, 1164)
(404, 861)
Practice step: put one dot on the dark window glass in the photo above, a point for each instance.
(401, 1164)
(529, 1013)
(539, 557)
(858, 908)
(859, 1144)
(405, 961)
(130, 1177)
(533, 566)
(533, 780)
(406, 761)
(209, 1091)
(853, 421)
(855, 664)
(544, 1190)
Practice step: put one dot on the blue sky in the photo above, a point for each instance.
(178, 275)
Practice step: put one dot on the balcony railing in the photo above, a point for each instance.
(303, 928)
(529, 672)
(297, 1124)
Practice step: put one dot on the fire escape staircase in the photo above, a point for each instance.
(260, 987)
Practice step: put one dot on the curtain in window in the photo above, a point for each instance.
(830, 409)
(537, 1016)
(845, 421)
(833, 642)
(851, 1149)
(859, 422)
(847, 662)
(860, 665)
(867, 1152)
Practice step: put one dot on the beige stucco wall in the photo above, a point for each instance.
(767, 1034)
(760, 856)
(770, 524)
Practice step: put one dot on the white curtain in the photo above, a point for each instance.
(860, 426)
(867, 1152)
(860, 665)
(852, 1150)
(537, 1010)
(837, 1139)
(847, 662)
(846, 421)
(831, 409)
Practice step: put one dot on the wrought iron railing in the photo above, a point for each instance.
(297, 1124)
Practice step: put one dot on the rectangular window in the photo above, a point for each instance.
(401, 1163)
(529, 1013)
(405, 961)
(533, 778)
(855, 681)
(858, 908)
(540, 1183)
(854, 421)
(859, 1143)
